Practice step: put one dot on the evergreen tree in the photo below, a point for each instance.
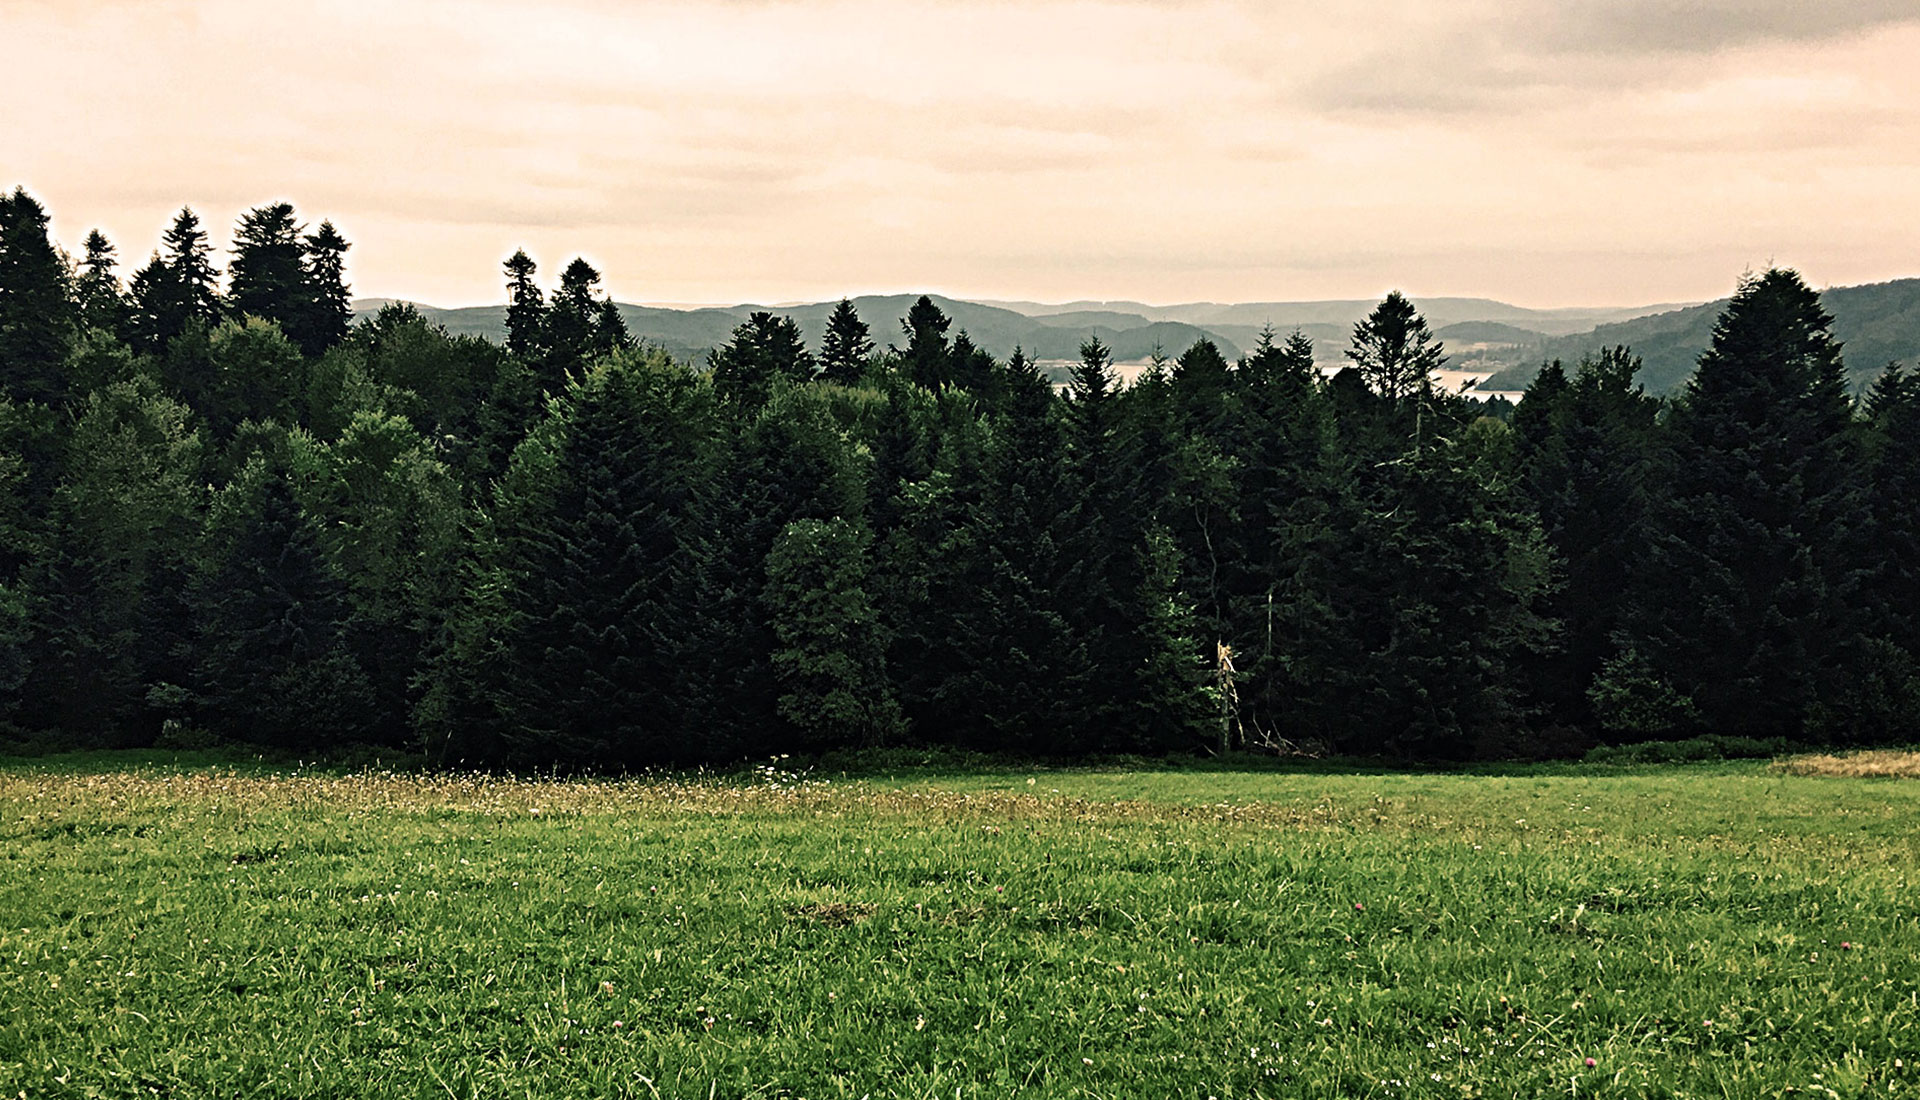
(1394, 351)
(526, 311)
(267, 278)
(329, 304)
(580, 325)
(927, 358)
(274, 664)
(176, 290)
(102, 306)
(764, 352)
(575, 643)
(829, 656)
(36, 308)
(847, 346)
(1589, 454)
(112, 604)
(1745, 582)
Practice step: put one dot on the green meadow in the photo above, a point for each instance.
(190, 930)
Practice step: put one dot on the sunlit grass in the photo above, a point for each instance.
(1881, 763)
(1725, 931)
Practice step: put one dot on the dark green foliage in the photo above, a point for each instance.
(328, 304)
(37, 315)
(847, 346)
(829, 656)
(1393, 350)
(1591, 458)
(574, 642)
(274, 664)
(267, 278)
(764, 354)
(1744, 614)
(571, 552)
(526, 310)
(112, 609)
(927, 359)
(176, 290)
(580, 326)
(97, 294)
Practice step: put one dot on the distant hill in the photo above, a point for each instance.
(1133, 330)
(1876, 324)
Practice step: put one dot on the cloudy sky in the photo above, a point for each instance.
(1546, 152)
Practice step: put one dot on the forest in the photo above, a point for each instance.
(229, 514)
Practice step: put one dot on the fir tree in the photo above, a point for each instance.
(36, 308)
(328, 303)
(847, 346)
(102, 305)
(1393, 349)
(526, 310)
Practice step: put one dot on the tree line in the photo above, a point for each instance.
(227, 511)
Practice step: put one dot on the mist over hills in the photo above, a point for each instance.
(1506, 343)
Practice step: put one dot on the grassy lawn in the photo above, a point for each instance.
(1723, 931)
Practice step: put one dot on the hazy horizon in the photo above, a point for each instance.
(1544, 153)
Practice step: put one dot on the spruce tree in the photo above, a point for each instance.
(526, 311)
(267, 278)
(926, 360)
(37, 315)
(764, 353)
(102, 306)
(328, 303)
(847, 346)
(1745, 578)
(829, 655)
(1393, 349)
(576, 642)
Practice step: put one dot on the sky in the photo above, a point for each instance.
(1543, 152)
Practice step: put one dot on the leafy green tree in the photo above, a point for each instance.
(829, 656)
(37, 315)
(1742, 611)
(847, 346)
(253, 373)
(1393, 349)
(111, 608)
(395, 531)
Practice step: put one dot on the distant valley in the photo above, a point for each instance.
(1502, 344)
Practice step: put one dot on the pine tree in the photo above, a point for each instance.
(765, 353)
(526, 311)
(1394, 351)
(847, 346)
(329, 304)
(927, 358)
(1745, 575)
(267, 278)
(102, 306)
(37, 315)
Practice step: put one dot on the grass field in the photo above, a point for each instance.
(1715, 931)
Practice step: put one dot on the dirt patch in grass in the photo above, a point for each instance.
(1880, 763)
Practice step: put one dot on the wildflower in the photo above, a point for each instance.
(606, 987)
(1359, 908)
(1591, 1063)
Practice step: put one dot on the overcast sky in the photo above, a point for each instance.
(1545, 152)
